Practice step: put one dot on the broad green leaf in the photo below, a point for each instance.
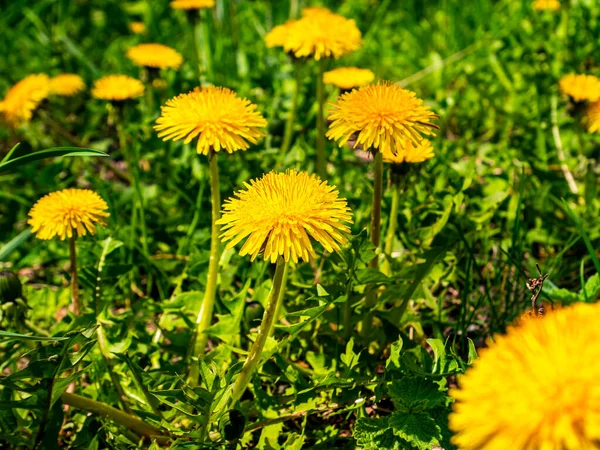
(415, 394)
(376, 434)
(418, 429)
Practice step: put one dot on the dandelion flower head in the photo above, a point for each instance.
(216, 116)
(23, 98)
(138, 27)
(192, 4)
(67, 213)
(281, 213)
(382, 116)
(546, 5)
(410, 153)
(318, 34)
(66, 84)
(581, 87)
(535, 387)
(592, 117)
(157, 56)
(117, 88)
(348, 77)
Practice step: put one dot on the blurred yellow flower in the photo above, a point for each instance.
(319, 34)
(281, 212)
(592, 117)
(67, 213)
(215, 115)
(66, 84)
(117, 88)
(23, 98)
(410, 153)
(542, 5)
(192, 4)
(348, 77)
(138, 27)
(535, 387)
(155, 55)
(381, 117)
(581, 87)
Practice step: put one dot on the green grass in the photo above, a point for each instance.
(473, 221)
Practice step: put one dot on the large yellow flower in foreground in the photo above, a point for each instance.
(382, 117)
(592, 117)
(581, 87)
(66, 84)
(348, 77)
(280, 214)
(117, 88)
(216, 116)
(410, 153)
(157, 56)
(192, 4)
(23, 98)
(534, 388)
(319, 34)
(543, 5)
(67, 213)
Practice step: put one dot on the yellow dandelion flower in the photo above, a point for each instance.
(138, 27)
(543, 5)
(117, 88)
(281, 212)
(155, 55)
(383, 117)
(320, 34)
(216, 116)
(348, 77)
(192, 4)
(534, 388)
(23, 98)
(581, 87)
(66, 84)
(592, 117)
(67, 213)
(410, 153)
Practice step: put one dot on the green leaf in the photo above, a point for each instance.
(415, 394)
(393, 361)
(269, 437)
(14, 243)
(442, 362)
(350, 358)
(12, 164)
(8, 336)
(375, 434)
(371, 276)
(417, 428)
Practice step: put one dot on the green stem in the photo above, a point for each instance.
(371, 299)
(75, 300)
(286, 275)
(205, 312)
(291, 118)
(264, 331)
(321, 168)
(391, 231)
(133, 162)
(127, 420)
(202, 51)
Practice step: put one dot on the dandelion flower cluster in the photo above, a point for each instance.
(281, 212)
(117, 88)
(67, 213)
(23, 98)
(192, 4)
(546, 5)
(348, 77)
(592, 117)
(534, 388)
(319, 34)
(155, 55)
(216, 116)
(66, 84)
(581, 87)
(410, 153)
(382, 116)
(138, 27)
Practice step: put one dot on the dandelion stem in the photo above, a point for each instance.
(286, 275)
(291, 118)
(202, 49)
(206, 308)
(75, 300)
(393, 224)
(264, 331)
(321, 169)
